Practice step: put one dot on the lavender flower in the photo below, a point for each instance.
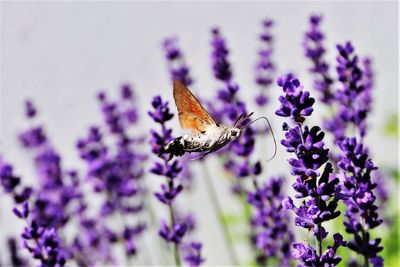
(193, 255)
(229, 107)
(41, 240)
(116, 172)
(55, 193)
(12, 183)
(219, 57)
(366, 96)
(44, 244)
(353, 97)
(362, 215)
(314, 50)
(177, 229)
(296, 103)
(52, 201)
(307, 254)
(179, 70)
(274, 237)
(382, 191)
(265, 68)
(321, 192)
(177, 66)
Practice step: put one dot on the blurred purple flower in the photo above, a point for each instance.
(356, 168)
(176, 62)
(365, 103)
(354, 96)
(55, 191)
(174, 234)
(41, 240)
(179, 70)
(116, 171)
(219, 57)
(274, 236)
(322, 191)
(30, 109)
(12, 184)
(228, 107)
(265, 68)
(45, 245)
(314, 50)
(382, 191)
(193, 254)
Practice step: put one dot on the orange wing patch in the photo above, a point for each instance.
(192, 115)
(190, 121)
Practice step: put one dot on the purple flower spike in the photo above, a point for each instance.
(229, 107)
(40, 237)
(265, 68)
(362, 215)
(219, 57)
(161, 113)
(178, 70)
(297, 102)
(34, 137)
(315, 51)
(115, 171)
(177, 66)
(178, 229)
(354, 95)
(320, 192)
(193, 257)
(308, 255)
(274, 236)
(30, 109)
(45, 245)
(170, 170)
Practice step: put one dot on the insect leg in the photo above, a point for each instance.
(205, 154)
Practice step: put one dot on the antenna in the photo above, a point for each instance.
(242, 118)
(272, 132)
(238, 119)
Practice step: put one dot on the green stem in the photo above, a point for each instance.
(366, 263)
(320, 239)
(176, 248)
(151, 216)
(218, 211)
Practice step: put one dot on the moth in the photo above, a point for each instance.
(206, 134)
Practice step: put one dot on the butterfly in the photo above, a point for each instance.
(206, 134)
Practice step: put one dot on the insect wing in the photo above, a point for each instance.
(192, 115)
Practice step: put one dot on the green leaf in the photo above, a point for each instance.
(391, 252)
(396, 174)
(391, 126)
(231, 219)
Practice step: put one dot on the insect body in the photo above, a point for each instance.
(207, 135)
(209, 141)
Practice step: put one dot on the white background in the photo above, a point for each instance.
(60, 53)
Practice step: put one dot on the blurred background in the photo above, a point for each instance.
(59, 54)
